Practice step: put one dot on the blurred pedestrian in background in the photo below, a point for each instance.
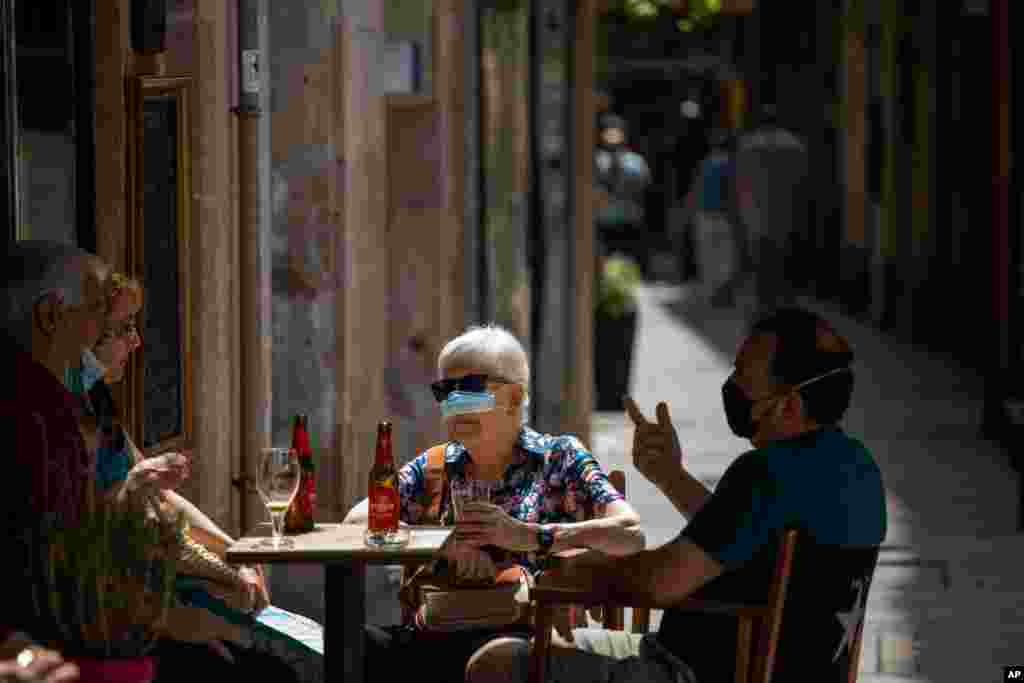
(622, 176)
(710, 199)
(773, 203)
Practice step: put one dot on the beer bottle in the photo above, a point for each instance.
(300, 517)
(382, 527)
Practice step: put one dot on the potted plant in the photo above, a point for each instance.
(106, 587)
(614, 329)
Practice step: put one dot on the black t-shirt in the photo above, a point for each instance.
(824, 484)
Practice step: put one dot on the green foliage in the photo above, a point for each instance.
(109, 580)
(698, 12)
(616, 291)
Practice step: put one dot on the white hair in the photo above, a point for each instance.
(34, 269)
(490, 349)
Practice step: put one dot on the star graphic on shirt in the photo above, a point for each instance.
(852, 618)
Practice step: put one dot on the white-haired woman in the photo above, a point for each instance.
(549, 494)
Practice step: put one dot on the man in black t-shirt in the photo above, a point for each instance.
(791, 385)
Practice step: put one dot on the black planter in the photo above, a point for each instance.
(613, 358)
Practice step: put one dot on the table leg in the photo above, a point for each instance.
(345, 616)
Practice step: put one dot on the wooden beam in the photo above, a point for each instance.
(581, 386)
(214, 268)
(450, 93)
(112, 60)
(362, 312)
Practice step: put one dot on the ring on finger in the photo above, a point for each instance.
(25, 658)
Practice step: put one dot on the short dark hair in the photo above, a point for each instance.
(807, 346)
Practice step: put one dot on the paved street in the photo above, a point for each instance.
(947, 603)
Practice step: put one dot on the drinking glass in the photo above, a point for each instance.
(466, 490)
(278, 480)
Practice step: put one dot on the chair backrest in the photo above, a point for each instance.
(614, 615)
(767, 632)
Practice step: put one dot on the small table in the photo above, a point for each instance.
(344, 555)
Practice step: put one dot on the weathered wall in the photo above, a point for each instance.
(307, 253)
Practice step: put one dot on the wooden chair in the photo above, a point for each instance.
(758, 625)
(613, 615)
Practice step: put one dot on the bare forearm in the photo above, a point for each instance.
(655, 576)
(196, 518)
(686, 493)
(615, 535)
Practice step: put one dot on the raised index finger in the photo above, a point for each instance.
(634, 413)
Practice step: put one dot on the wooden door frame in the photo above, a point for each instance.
(8, 123)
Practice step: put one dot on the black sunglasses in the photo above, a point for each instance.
(475, 383)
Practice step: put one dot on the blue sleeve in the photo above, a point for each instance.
(411, 489)
(745, 512)
(584, 477)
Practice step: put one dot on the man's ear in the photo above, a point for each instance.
(793, 406)
(47, 314)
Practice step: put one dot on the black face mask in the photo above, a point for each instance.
(738, 410)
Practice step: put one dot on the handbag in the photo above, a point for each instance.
(443, 605)
(434, 601)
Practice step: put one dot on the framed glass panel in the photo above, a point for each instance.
(8, 124)
(52, 136)
(160, 179)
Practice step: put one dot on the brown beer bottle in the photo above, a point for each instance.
(384, 503)
(300, 517)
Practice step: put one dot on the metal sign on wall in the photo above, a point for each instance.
(976, 7)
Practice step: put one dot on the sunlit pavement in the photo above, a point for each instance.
(947, 602)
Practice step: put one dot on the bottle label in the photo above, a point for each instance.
(384, 508)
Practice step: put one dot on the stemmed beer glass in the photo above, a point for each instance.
(277, 481)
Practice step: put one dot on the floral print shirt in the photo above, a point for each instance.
(551, 480)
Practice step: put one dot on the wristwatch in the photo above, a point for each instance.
(545, 539)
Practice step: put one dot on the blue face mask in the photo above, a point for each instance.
(83, 378)
(92, 370)
(467, 403)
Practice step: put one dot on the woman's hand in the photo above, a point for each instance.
(471, 564)
(483, 524)
(256, 583)
(162, 472)
(37, 665)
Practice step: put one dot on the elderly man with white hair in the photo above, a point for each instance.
(548, 494)
(53, 307)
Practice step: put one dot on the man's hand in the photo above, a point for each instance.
(656, 451)
(483, 524)
(37, 665)
(163, 472)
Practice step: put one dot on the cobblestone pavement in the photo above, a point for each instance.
(947, 602)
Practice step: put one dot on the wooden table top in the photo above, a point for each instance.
(341, 543)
